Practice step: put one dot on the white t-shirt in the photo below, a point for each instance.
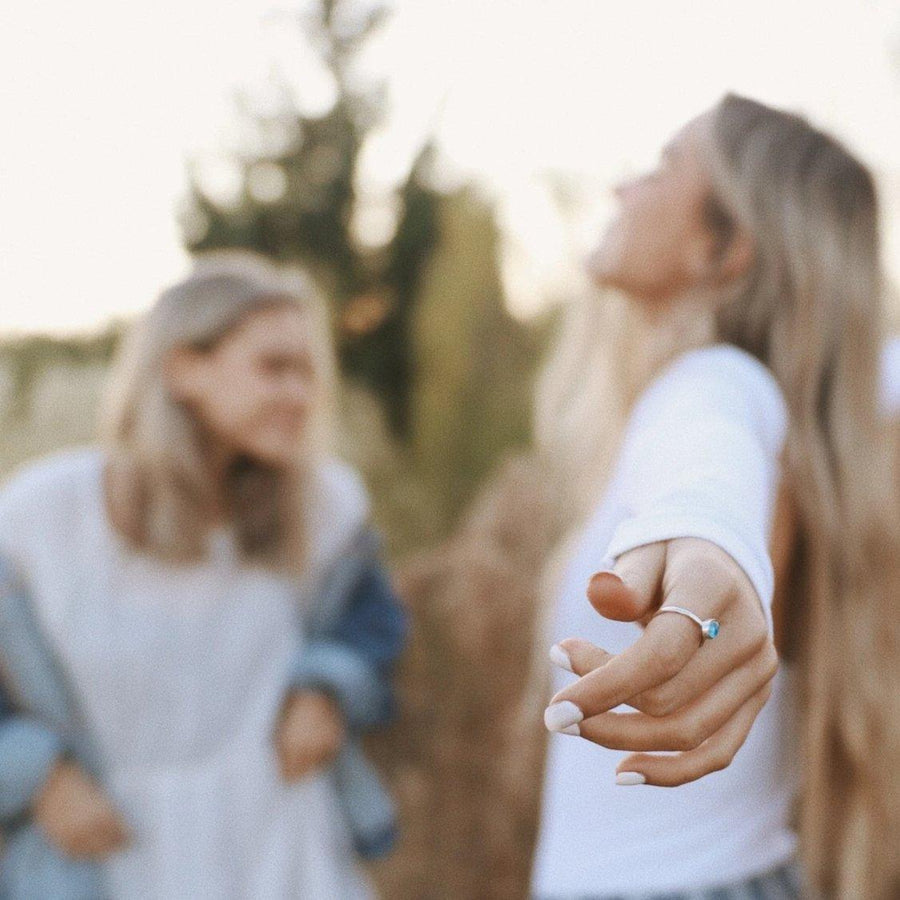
(180, 672)
(707, 409)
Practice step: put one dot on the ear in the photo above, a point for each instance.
(737, 258)
(698, 256)
(182, 371)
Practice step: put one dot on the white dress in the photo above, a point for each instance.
(180, 672)
(675, 476)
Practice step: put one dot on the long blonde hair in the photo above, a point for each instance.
(811, 308)
(160, 486)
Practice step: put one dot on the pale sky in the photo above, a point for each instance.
(104, 100)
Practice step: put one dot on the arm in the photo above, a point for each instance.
(352, 660)
(29, 750)
(698, 479)
(36, 779)
(702, 461)
(28, 754)
(340, 679)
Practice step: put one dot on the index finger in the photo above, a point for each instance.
(661, 652)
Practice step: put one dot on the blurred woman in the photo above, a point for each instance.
(749, 263)
(196, 626)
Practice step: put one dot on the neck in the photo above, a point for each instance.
(675, 325)
(219, 458)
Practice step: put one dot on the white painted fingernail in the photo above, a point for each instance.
(572, 729)
(560, 658)
(561, 715)
(628, 778)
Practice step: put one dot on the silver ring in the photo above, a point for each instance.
(709, 628)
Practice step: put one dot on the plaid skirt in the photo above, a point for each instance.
(783, 883)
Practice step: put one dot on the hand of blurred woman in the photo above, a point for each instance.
(309, 735)
(76, 815)
(698, 698)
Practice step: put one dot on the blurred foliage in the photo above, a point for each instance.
(471, 399)
(466, 757)
(297, 199)
(472, 396)
(25, 360)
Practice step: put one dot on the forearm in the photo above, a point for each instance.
(352, 661)
(28, 753)
(362, 693)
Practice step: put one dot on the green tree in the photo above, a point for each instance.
(472, 398)
(297, 199)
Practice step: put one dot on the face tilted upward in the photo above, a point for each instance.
(658, 245)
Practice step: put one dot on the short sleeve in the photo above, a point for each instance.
(40, 505)
(701, 459)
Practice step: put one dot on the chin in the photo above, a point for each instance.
(604, 263)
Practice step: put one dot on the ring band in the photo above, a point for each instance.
(709, 628)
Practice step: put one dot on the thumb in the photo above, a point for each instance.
(630, 590)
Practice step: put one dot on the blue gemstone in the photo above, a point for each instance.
(712, 629)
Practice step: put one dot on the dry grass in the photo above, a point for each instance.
(466, 757)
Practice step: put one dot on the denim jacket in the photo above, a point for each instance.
(354, 631)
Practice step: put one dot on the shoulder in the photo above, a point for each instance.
(890, 377)
(42, 504)
(52, 478)
(719, 382)
(721, 370)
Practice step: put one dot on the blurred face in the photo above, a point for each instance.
(659, 246)
(253, 391)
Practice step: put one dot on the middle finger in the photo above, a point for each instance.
(665, 647)
(685, 729)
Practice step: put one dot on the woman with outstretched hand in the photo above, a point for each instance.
(749, 258)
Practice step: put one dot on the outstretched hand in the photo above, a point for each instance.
(699, 699)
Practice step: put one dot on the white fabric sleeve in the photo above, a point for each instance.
(701, 459)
